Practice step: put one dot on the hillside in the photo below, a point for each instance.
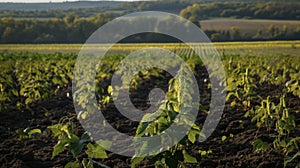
(173, 6)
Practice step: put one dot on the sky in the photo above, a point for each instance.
(32, 1)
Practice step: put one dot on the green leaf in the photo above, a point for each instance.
(228, 96)
(149, 147)
(224, 138)
(260, 145)
(176, 107)
(105, 143)
(75, 146)
(74, 164)
(162, 124)
(83, 115)
(233, 103)
(15, 93)
(135, 161)
(59, 147)
(85, 138)
(282, 143)
(106, 99)
(34, 131)
(65, 128)
(141, 129)
(192, 135)
(109, 89)
(56, 81)
(56, 129)
(87, 164)
(202, 153)
(95, 151)
(28, 100)
(188, 158)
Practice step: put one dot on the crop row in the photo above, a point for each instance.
(27, 78)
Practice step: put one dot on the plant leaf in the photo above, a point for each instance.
(59, 147)
(95, 151)
(224, 138)
(135, 161)
(188, 158)
(34, 131)
(74, 164)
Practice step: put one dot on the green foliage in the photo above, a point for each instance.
(270, 115)
(27, 78)
(64, 132)
(33, 77)
(260, 10)
(259, 145)
(201, 11)
(293, 85)
(60, 30)
(277, 116)
(241, 85)
(75, 26)
(224, 138)
(188, 158)
(66, 138)
(135, 161)
(28, 133)
(95, 151)
(179, 91)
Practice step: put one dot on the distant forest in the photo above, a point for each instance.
(89, 8)
(75, 26)
(284, 11)
(52, 6)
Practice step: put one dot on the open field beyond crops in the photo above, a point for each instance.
(247, 25)
(291, 48)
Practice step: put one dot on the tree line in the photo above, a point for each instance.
(55, 13)
(73, 29)
(206, 8)
(70, 29)
(274, 10)
(273, 32)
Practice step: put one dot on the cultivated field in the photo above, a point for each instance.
(249, 26)
(260, 125)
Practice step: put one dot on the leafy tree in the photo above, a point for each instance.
(235, 33)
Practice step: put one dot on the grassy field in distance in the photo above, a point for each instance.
(251, 26)
(268, 48)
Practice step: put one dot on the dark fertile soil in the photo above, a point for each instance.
(235, 151)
